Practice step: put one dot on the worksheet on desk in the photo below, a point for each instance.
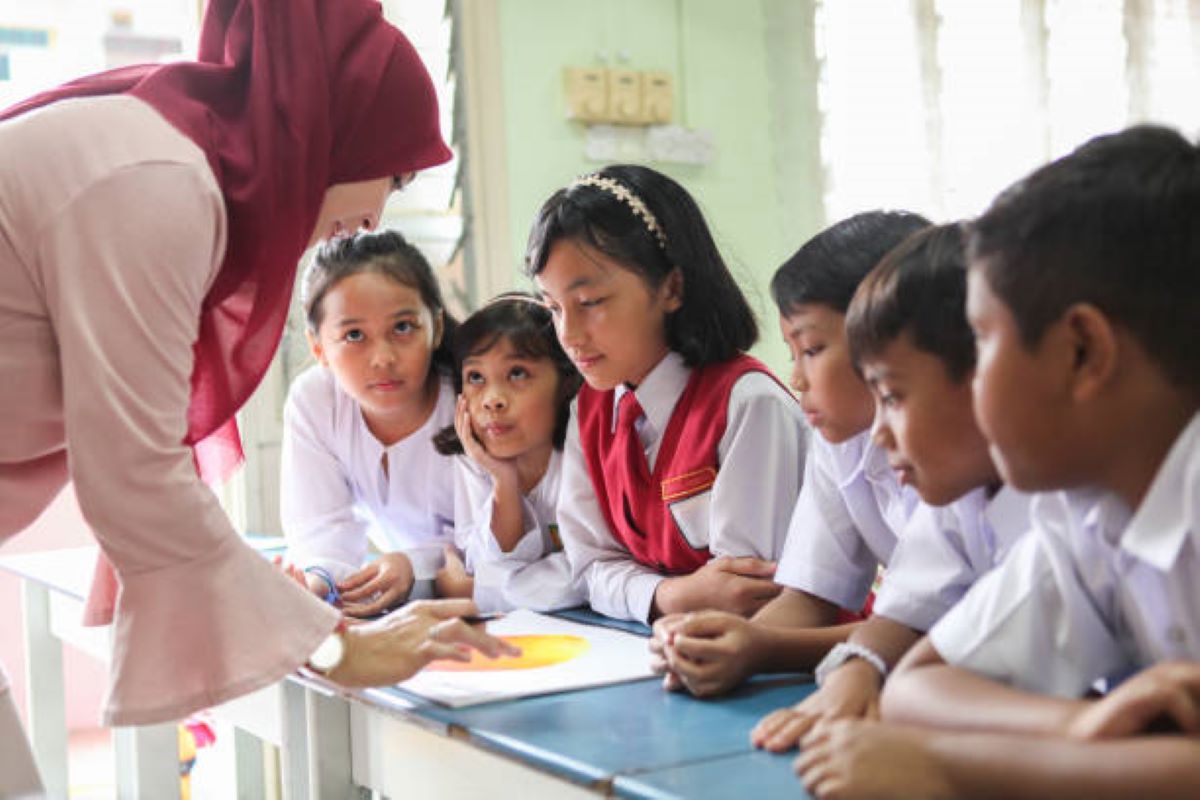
(557, 655)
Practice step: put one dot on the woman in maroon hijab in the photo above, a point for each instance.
(151, 220)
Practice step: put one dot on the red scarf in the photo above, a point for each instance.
(286, 98)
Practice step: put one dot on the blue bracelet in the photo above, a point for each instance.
(332, 596)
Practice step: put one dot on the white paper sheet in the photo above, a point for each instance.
(584, 656)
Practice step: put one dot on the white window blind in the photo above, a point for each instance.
(936, 105)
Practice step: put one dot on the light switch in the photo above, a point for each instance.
(587, 93)
(657, 97)
(625, 97)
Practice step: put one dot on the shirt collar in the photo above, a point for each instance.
(873, 463)
(1007, 511)
(1171, 508)
(658, 392)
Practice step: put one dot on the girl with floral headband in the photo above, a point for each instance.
(684, 455)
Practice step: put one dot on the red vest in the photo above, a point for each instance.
(634, 499)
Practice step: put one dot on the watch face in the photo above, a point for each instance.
(328, 654)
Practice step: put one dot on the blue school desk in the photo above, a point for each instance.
(628, 740)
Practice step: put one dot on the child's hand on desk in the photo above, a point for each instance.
(663, 630)
(740, 585)
(1166, 694)
(850, 691)
(710, 652)
(452, 580)
(378, 586)
(394, 647)
(852, 758)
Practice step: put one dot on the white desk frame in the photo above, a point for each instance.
(333, 743)
(147, 757)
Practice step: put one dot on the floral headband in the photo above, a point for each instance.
(520, 297)
(626, 196)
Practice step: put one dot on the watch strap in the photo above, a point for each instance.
(843, 652)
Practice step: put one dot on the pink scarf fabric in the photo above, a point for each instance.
(286, 98)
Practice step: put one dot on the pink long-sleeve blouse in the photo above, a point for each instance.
(108, 244)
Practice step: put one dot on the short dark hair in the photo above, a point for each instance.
(715, 321)
(1115, 224)
(919, 287)
(521, 319)
(828, 268)
(385, 252)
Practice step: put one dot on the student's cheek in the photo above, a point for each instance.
(898, 422)
(546, 411)
(472, 395)
(984, 402)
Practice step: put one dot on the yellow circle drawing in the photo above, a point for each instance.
(537, 650)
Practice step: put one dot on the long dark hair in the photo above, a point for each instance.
(526, 324)
(385, 252)
(714, 322)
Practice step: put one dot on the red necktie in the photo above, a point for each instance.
(627, 442)
(632, 465)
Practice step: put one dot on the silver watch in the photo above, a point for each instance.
(329, 653)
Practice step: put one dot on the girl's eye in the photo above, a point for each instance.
(404, 326)
(888, 399)
(590, 302)
(518, 373)
(809, 352)
(354, 335)
(473, 378)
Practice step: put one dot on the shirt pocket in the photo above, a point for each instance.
(689, 496)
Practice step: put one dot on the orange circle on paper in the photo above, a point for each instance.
(537, 650)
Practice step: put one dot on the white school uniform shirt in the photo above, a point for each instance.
(335, 495)
(745, 513)
(1095, 591)
(944, 550)
(535, 573)
(846, 521)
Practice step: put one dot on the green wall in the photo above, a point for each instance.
(742, 70)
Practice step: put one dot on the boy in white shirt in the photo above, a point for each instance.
(908, 334)
(1084, 294)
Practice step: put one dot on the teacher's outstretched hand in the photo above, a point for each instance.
(394, 647)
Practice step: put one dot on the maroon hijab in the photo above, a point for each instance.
(286, 98)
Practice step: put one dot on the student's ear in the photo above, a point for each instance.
(1095, 350)
(314, 347)
(672, 289)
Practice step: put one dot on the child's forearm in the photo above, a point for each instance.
(792, 649)
(508, 516)
(941, 696)
(796, 609)
(1002, 766)
(889, 639)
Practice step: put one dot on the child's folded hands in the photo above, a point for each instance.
(706, 652)
(377, 587)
